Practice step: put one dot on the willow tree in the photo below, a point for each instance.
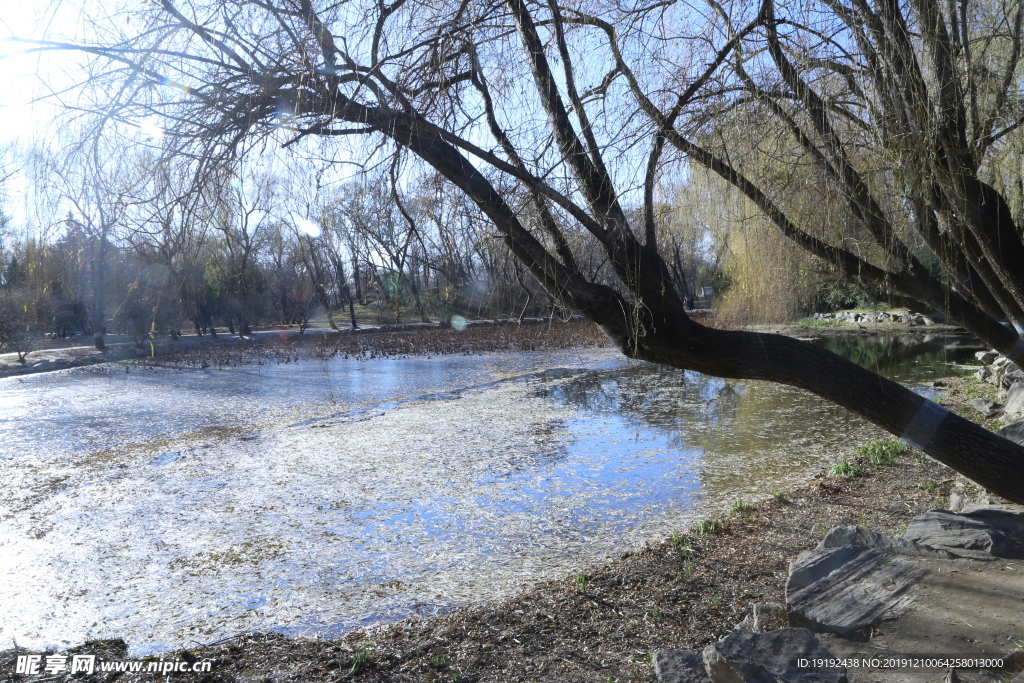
(549, 117)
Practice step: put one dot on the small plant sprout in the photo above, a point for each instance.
(738, 505)
(581, 583)
(688, 568)
(780, 497)
(844, 468)
(438, 662)
(680, 545)
(715, 601)
(360, 659)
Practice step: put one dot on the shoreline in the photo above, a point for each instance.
(401, 340)
(364, 343)
(602, 624)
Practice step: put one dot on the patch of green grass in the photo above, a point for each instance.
(688, 568)
(883, 452)
(715, 601)
(737, 505)
(929, 486)
(706, 527)
(844, 469)
(780, 496)
(581, 583)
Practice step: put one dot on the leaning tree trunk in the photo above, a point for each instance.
(992, 461)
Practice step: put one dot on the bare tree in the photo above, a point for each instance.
(486, 94)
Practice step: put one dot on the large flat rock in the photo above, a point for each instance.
(773, 657)
(867, 538)
(988, 530)
(680, 666)
(961, 608)
(1014, 432)
(846, 590)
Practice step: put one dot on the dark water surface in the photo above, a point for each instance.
(170, 507)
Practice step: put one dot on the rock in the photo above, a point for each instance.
(957, 495)
(848, 589)
(866, 538)
(680, 666)
(983, 374)
(986, 357)
(985, 407)
(1015, 399)
(1014, 432)
(743, 657)
(764, 617)
(985, 531)
(1010, 378)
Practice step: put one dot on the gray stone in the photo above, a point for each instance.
(983, 374)
(958, 496)
(680, 666)
(764, 617)
(986, 357)
(743, 657)
(1015, 398)
(992, 531)
(866, 538)
(848, 589)
(985, 407)
(1014, 432)
(1010, 378)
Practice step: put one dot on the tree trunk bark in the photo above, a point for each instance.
(992, 461)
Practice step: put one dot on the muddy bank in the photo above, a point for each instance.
(284, 346)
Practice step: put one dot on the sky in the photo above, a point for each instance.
(19, 83)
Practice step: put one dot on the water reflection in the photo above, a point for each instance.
(175, 506)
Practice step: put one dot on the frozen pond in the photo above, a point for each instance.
(171, 507)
